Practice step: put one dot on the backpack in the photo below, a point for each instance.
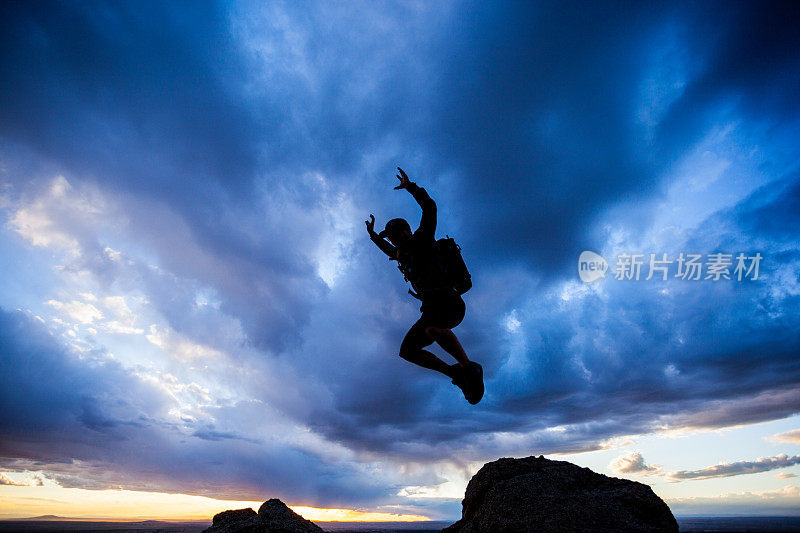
(453, 264)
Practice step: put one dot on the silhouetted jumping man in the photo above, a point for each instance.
(422, 261)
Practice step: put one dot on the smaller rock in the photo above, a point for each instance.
(233, 516)
(232, 521)
(273, 517)
(277, 516)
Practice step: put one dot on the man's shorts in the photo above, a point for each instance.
(442, 311)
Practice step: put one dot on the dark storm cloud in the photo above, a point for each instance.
(537, 112)
(723, 351)
(752, 61)
(148, 99)
(180, 105)
(47, 393)
(534, 107)
(628, 360)
(134, 94)
(207, 124)
(87, 422)
(541, 109)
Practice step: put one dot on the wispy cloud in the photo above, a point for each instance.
(5, 480)
(792, 437)
(762, 464)
(783, 501)
(34, 481)
(632, 463)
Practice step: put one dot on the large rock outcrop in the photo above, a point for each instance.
(273, 517)
(535, 494)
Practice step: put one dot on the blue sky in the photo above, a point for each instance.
(190, 303)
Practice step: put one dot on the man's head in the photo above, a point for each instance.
(397, 231)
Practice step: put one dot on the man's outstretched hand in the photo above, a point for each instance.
(404, 181)
(370, 224)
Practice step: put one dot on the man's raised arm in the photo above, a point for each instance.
(427, 225)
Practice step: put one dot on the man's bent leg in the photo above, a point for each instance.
(412, 346)
(449, 343)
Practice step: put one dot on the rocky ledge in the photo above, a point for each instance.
(535, 494)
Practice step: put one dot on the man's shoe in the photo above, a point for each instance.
(474, 388)
(469, 380)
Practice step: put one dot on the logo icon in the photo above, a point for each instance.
(591, 266)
